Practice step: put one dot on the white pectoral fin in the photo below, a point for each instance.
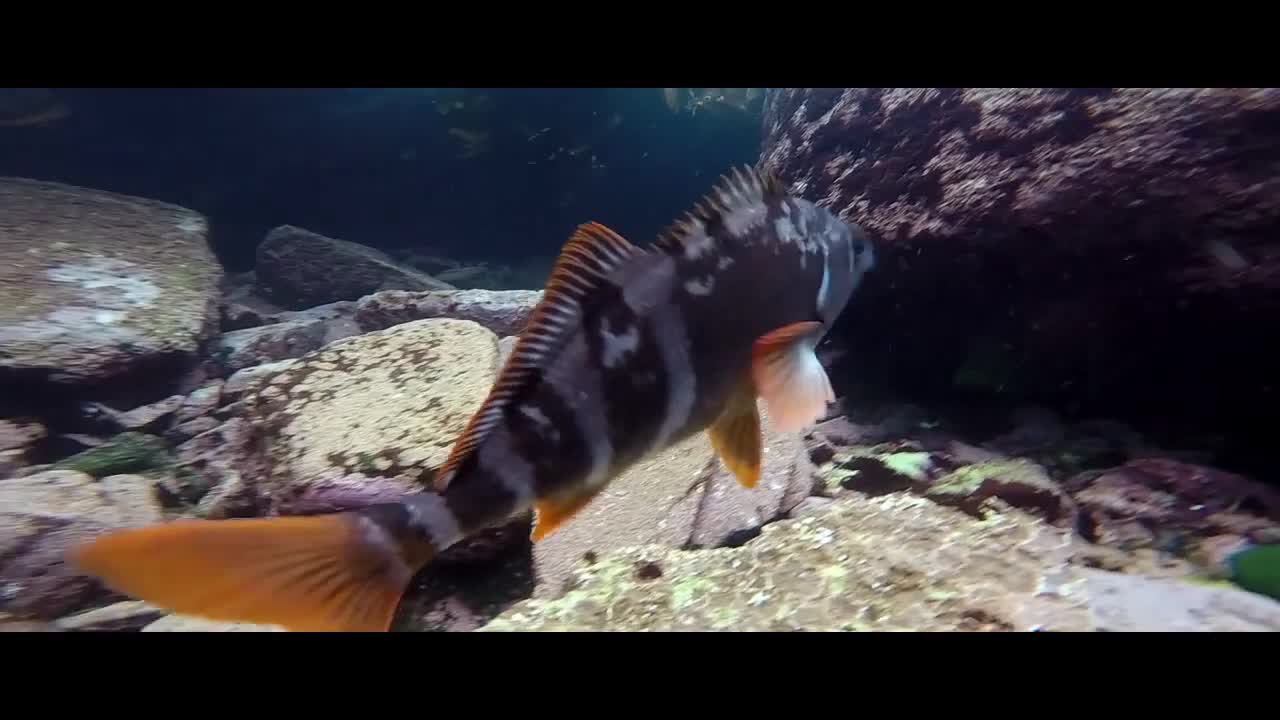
(788, 375)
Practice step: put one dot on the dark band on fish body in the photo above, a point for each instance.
(635, 386)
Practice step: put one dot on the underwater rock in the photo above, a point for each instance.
(94, 285)
(1017, 482)
(683, 496)
(241, 381)
(186, 623)
(318, 422)
(42, 516)
(18, 438)
(295, 269)
(146, 418)
(338, 318)
(242, 349)
(896, 562)
(125, 616)
(504, 312)
(211, 469)
(1134, 603)
(1085, 245)
(201, 402)
(1159, 502)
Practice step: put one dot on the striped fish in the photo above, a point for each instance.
(629, 351)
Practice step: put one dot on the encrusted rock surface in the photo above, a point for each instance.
(896, 562)
(1089, 246)
(371, 413)
(93, 284)
(505, 312)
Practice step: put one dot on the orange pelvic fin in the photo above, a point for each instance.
(551, 514)
(735, 435)
(789, 377)
(338, 572)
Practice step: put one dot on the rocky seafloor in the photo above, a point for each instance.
(140, 382)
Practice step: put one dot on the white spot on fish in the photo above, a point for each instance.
(698, 243)
(743, 218)
(673, 344)
(617, 346)
(535, 414)
(700, 286)
(826, 279)
(724, 263)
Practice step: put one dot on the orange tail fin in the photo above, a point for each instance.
(319, 573)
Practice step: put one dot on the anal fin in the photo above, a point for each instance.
(789, 376)
(735, 434)
(551, 513)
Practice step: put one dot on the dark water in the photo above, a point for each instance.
(382, 167)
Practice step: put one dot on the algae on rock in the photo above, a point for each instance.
(93, 283)
(897, 562)
(370, 414)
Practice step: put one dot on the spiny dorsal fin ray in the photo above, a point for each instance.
(740, 186)
(592, 253)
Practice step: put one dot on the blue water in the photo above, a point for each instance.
(381, 167)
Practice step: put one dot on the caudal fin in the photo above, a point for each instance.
(339, 572)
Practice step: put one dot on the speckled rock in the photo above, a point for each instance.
(896, 562)
(94, 283)
(295, 269)
(380, 409)
(242, 380)
(42, 516)
(505, 312)
(681, 497)
(1085, 246)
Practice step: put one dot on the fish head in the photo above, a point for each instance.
(847, 251)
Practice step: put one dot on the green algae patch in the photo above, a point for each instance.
(128, 453)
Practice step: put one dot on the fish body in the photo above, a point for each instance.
(629, 351)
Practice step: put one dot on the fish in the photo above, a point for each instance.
(629, 351)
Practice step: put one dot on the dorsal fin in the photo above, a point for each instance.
(740, 186)
(591, 254)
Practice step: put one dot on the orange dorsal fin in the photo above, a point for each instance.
(319, 573)
(789, 377)
(735, 434)
(592, 253)
(740, 186)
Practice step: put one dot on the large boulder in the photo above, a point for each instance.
(298, 269)
(96, 284)
(1092, 246)
(368, 415)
